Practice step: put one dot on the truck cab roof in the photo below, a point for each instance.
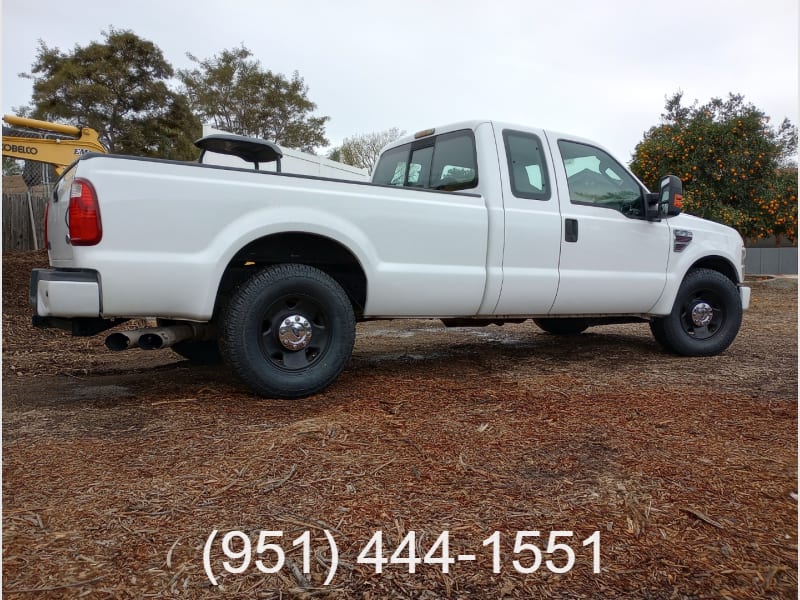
(473, 124)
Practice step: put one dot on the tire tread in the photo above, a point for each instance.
(669, 333)
(248, 362)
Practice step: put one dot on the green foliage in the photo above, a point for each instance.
(363, 150)
(736, 168)
(118, 87)
(231, 91)
(335, 154)
(11, 166)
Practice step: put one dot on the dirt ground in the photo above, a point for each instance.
(118, 467)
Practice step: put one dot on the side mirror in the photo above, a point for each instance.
(670, 196)
(652, 207)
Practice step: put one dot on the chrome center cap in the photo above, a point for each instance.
(295, 332)
(702, 313)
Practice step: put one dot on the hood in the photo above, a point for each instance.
(696, 224)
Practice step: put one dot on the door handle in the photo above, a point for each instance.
(570, 230)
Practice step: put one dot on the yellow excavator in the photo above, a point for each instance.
(47, 143)
(63, 144)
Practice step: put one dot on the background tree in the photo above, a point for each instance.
(11, 166)
(336, 154)
(231, 91)
(363, 150)
(736, 168)
(118, 87)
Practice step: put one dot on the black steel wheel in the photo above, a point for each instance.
(288, 331)
(705, 318)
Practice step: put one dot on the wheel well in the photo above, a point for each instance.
(717, 263)
(301, 248)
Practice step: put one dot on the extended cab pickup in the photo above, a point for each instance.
(474, 223)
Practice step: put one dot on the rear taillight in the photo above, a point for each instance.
(85, 228)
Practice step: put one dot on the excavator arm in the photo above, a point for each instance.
(57, 151)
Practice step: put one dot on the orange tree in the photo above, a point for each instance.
(736, 168)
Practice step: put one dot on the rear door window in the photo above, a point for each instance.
(526, 165)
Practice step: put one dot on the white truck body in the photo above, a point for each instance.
(172, 232)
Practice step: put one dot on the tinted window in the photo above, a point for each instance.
(595, 177)
(419, 170)
(454, 165)
(391, 169)
(526, 165)
(445, 162)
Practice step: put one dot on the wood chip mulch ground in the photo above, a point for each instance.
(117, 467)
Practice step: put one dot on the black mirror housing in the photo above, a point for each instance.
(670, 196)
(652, 207)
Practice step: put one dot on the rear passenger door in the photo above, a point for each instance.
(532, 224)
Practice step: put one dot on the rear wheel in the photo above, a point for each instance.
(288, 331)
(705, 318)
(568, 326)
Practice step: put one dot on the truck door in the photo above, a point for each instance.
(532, 223)
(612, 259)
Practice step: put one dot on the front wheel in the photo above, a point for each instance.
(288, 331)
(705, 318)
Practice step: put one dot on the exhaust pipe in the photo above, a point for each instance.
(155, 338)
(123, 340)
(164, 337)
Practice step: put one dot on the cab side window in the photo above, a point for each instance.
(454, 165)
(595, 178)
(526, 165)
(419, 171)
(393, 167)
(446, 162)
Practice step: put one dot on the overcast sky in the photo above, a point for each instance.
(596, 69)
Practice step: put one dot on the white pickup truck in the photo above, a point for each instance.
(475, 223)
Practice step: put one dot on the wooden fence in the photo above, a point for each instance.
(23, 221)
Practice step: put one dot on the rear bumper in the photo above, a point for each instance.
(65, 293)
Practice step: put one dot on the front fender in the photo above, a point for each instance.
(713, 246)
